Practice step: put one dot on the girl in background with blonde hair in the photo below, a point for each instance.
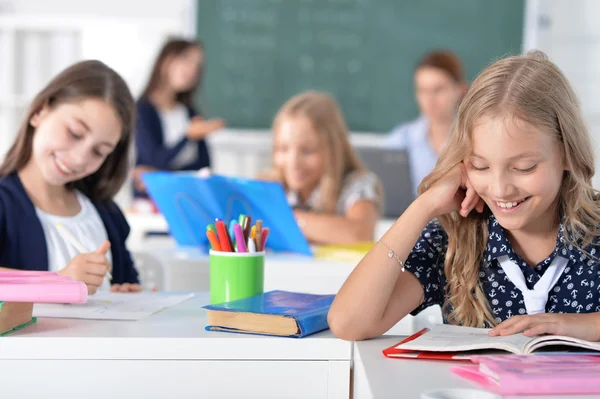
(513, 241)
(335, 199)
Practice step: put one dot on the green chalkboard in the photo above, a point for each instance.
(261, 52)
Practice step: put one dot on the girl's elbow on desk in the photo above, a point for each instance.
(347, 327)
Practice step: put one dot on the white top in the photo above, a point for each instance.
(175, 122)
(86, 226)
(412, 137)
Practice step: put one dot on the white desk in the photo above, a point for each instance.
(376, 376)
(169, 355)
(140, 224)
(187, 269)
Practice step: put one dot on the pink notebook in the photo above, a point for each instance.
(534, 375)
(40, 287)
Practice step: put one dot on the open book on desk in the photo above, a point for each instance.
(447, 342)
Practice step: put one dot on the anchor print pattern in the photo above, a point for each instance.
(576, 291)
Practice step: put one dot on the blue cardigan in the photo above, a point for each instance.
(149, 139)
(23, 243)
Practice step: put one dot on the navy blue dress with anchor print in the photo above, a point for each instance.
(576, 288)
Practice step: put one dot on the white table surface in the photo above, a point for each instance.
(174, 333)
(168, 354)
(283, 271)
(376, 376)
(187, 269)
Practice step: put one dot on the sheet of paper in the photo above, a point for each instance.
(105, 305)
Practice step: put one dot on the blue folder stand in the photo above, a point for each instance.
(189, 203)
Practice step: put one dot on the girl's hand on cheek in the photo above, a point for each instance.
(453, 192)
(471, 201)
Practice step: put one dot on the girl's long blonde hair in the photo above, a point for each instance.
(531, 89)
(326, 119)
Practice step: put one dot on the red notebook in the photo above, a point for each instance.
(395, 351)
(446, 342)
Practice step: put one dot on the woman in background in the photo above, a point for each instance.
(335, 199)
(169, 132)
(440, 85)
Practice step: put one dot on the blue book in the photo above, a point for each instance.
(189, 203)
(280, 313)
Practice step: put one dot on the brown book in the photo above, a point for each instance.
(281, 313)
(14, 315)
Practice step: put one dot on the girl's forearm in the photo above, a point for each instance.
(377, 294)
(333, 229)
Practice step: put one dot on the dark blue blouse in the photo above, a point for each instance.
(149, 140)
(577, 290)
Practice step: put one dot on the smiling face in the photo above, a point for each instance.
(299, 154)
(517, 170)
(72, 140)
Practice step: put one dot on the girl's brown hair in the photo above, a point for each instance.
(174, 48)
(326, 119)
(446, 62)
(87, 79)
(533, 90)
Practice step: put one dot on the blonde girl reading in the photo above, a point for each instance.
(505, 231)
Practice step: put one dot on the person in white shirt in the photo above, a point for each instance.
(439, 87)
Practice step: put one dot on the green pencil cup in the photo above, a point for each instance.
(236, 275)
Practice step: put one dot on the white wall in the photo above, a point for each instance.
(126, 34)
(183, 11)
(569, 32)
(38, 38)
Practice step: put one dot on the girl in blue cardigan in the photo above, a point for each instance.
(169, 133)
(69, 159)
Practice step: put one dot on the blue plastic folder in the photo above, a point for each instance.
(189, 203)
(308, 310)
